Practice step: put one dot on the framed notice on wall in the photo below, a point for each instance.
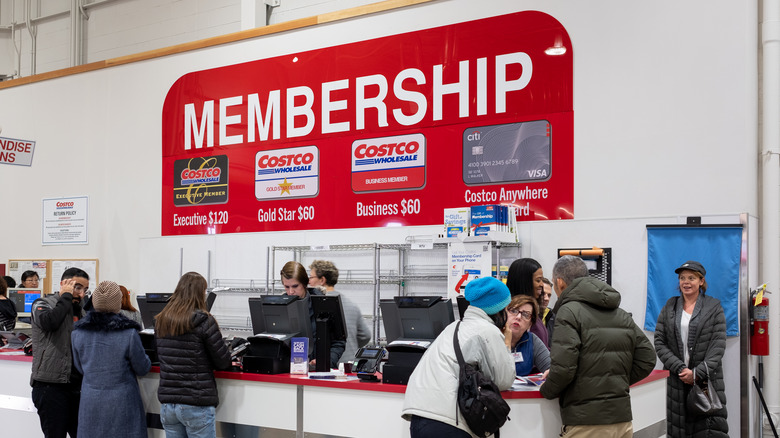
(65, 221)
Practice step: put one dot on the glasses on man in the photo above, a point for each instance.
(31, 281)
(524, 313)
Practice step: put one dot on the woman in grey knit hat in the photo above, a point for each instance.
(107, 350)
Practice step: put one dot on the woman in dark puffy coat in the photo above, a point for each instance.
(691, 332)
(190, 348)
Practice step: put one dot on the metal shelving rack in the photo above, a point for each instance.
(405, 272)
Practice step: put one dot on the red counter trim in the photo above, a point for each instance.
(288, 379)
(16, 357)
(377, 386)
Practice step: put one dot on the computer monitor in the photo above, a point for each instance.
(423, 317)
(256, 315)
(390, 319)
(287, 316)
(210, 298)
(150, 305)
(331, 326)
(23, 299)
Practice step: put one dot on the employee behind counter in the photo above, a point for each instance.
(295, 279)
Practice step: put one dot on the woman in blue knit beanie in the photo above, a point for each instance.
(431, 394)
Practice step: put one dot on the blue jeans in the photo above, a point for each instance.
(187, 421)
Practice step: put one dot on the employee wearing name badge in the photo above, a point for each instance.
(528, 351)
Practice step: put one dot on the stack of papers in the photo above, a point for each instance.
(333, 375)
(526, 383)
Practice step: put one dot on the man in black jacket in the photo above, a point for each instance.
(56, 389)
(597, 353)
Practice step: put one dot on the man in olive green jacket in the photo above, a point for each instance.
(597, 353)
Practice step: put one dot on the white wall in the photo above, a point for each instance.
(124, 27)
(665, 127)
(650, 138)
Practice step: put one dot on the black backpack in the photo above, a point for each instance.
(479, 399)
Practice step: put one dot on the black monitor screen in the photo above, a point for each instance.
(23, 298)
(329, 307)
(210, 298)
(423, 317)
(256, 314)
(150, 305)
(286, 315)
(390, 319)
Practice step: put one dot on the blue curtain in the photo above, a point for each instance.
(718, 249)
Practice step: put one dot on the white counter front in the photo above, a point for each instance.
(258, 405)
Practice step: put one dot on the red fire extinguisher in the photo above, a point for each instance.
(759, 334)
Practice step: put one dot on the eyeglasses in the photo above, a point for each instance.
(524, 313)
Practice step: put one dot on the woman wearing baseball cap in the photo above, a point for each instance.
(484, 339)
(691, 335)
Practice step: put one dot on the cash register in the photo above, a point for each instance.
(411, 324)
(276, 319)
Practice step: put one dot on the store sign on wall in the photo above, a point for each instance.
(16, 152)
(382, 132)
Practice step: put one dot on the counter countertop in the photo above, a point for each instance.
(291, 379)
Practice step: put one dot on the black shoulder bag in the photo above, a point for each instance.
(479, 399)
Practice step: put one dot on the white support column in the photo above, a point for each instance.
(76, 34)
(254, 13)
(770, 186)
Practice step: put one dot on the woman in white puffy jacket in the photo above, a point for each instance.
(431, 394)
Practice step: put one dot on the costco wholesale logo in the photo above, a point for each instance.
(200, 181)
(287, 173)
(388, 163)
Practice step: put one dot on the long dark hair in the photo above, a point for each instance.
(189, 296)
(520, 278)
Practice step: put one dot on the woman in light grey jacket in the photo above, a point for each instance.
(431, 394)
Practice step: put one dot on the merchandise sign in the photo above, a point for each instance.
(17, 152)
(389, 131)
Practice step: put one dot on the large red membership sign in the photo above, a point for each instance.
(383, 132)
